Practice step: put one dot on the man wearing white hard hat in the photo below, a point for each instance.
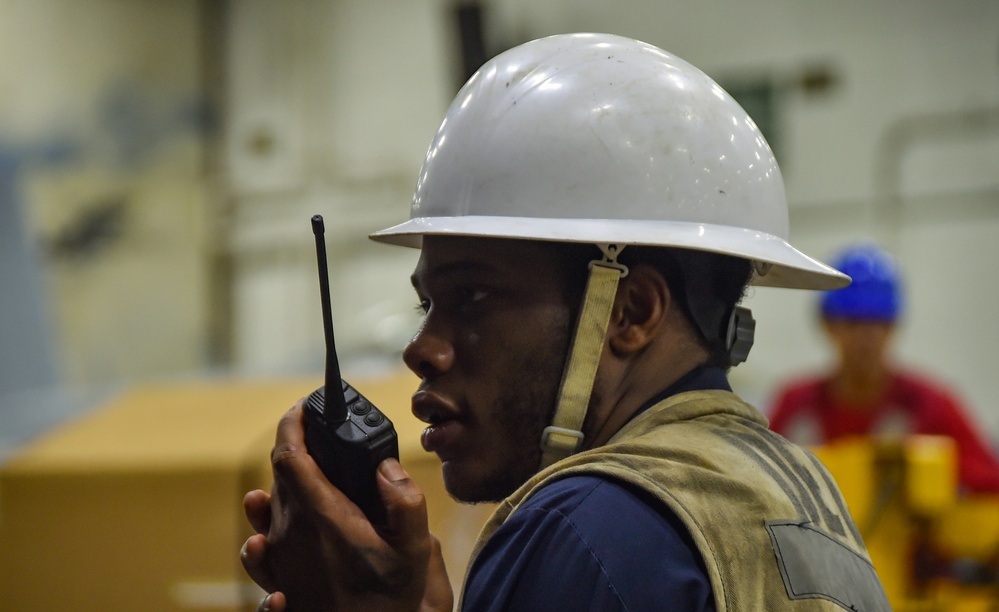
(589, 213)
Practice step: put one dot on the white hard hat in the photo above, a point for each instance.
(604, 139)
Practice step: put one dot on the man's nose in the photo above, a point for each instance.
(428, 354)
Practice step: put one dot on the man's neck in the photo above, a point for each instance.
(634, 384)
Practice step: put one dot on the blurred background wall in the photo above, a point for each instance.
(159, 162)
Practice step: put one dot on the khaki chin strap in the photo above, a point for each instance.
(564, 436)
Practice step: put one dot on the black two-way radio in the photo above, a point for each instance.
(346, 435)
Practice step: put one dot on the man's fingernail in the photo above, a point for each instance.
(392, 470)
(265, 604)
(242, 551)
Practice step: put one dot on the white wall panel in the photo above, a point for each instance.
(351, 94)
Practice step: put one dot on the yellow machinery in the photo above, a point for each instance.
(934, 549)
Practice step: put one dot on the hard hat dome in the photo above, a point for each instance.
(604, 139)
(876, 291)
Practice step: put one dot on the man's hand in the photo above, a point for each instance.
(315, 549)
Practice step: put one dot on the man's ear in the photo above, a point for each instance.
(640, 308)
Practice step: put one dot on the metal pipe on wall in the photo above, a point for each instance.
(900, 138)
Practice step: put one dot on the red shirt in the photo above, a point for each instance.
(806, 413)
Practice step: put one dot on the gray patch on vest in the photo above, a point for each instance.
(814, 565)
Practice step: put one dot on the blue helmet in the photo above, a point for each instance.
(876, 291)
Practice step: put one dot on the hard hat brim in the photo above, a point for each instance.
(789, 267)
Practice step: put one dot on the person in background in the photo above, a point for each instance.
(866, 393)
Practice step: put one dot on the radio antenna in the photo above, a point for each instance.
(334, 405)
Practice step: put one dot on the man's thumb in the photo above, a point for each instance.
(405, 506)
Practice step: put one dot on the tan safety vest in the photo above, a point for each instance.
(765, 515)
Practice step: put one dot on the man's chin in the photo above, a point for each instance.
(470, 488)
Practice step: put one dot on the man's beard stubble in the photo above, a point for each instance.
(521, 413)
(521, 421)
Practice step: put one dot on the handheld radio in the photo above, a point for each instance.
(346, 435)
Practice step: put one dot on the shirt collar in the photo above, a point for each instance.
(701, 378)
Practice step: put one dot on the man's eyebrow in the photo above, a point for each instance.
(463, 266)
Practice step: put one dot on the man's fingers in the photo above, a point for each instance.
(257, 507)
(254, 559)
(318, 542)
(297, 473)
(289, 444)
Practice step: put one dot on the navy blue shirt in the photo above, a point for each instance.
(592, 543)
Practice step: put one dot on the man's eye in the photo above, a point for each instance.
(423, 307)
